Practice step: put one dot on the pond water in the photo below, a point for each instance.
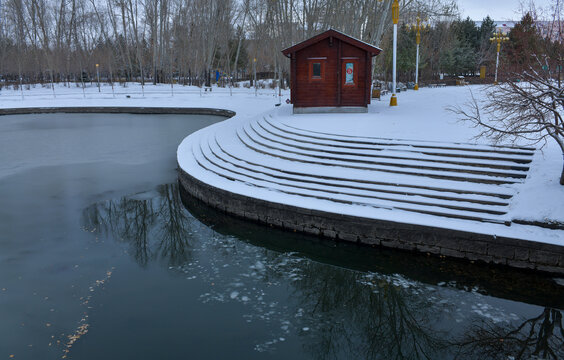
(102, 257)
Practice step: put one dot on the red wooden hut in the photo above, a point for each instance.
(331, 72)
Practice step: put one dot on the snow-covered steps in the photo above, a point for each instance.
(222, 164)
(450, 180)
(437, 145)
(284, 149)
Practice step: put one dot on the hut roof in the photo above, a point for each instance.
(373, 50)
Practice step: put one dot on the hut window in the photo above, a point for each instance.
(316, 71)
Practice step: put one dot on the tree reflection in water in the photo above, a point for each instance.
(370, 316)
(365, 314)
(338, 311)
(541, 337)
(158, 227)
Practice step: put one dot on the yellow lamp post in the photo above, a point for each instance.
(417, 27)
(395, 18)
(498, 37)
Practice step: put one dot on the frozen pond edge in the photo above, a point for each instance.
(512, 252)
(508, 251)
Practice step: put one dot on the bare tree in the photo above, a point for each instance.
(540, 337)
(529, 104)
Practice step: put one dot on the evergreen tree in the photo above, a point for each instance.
(485, 53)
(467, 33)
(406, 50)
(524, 43)
(462, 59)
(487, 29)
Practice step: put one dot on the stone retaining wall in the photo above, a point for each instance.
(427, 239)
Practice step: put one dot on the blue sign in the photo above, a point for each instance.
(349, 74)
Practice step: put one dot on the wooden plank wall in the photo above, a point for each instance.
(330, 91)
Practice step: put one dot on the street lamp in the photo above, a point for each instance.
(395, 18)
(98, 75)
(418, 27)
(255, 73)
(498, 37)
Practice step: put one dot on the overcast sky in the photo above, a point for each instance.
(496, 9)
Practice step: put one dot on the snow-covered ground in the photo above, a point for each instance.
(374, 180)
(415, 163)
(241, 100)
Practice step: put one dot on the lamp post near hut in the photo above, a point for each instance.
(417, 27)
(498, 37)
(98, 75)
(255, 74)
(395, 18)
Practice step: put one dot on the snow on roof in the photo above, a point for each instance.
(332, 32)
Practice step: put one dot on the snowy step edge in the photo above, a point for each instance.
(275, 152)
(288, 164)
(449, 214)
(403, 154)
(421, 143)
(371, 186)
(418, 200)
(419, 162)
(406, 164)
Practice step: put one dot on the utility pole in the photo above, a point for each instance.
(255, 71)
(98, 75)
(417, 27)
(498, 37)
(395, 18)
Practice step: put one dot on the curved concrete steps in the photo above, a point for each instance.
(215, 165)
(282, 151)
(436, 145)
(458, 181)
(261, 136)
(466, 158)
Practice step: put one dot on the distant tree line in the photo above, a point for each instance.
(187, 41)
(181, 40)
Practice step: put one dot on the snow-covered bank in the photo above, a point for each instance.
(241, 100)
(371, 165)
(419, 122)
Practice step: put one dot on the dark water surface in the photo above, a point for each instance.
(102, 257)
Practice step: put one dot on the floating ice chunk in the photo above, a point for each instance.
(234, 294)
